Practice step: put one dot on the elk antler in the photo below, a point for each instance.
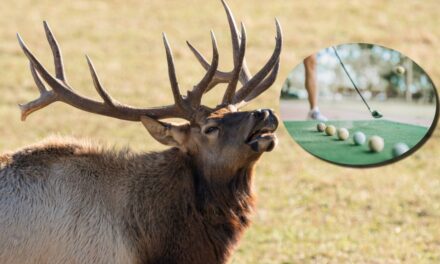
(61, 91)
(252, 86)
(184, 106)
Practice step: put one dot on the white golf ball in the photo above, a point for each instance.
(321, 127)
(400, 70)
(359, 138)
(343, 133)
(330, 130)
(399, 149)
(376, 144)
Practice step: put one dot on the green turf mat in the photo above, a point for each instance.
(332, 149)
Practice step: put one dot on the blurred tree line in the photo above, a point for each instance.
(375, 71)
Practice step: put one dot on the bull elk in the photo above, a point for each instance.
(67, 201)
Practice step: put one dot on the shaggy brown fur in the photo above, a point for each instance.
(165, 214)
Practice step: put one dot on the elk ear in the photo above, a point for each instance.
(166, 133)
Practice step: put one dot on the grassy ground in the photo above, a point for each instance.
(308, 211)
(345, 152)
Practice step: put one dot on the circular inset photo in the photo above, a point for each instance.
(359, 105)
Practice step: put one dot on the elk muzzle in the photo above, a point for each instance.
(262, 136)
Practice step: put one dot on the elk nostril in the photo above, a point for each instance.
(263, 114)
(258, 114)
(266, 113)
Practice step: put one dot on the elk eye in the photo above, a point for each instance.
(211, 130)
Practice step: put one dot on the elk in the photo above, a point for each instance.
(71, 201)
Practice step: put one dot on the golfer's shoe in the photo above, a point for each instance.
(316, 115)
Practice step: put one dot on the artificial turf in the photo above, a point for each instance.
(332, 149)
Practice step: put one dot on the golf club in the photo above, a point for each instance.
(374, 113)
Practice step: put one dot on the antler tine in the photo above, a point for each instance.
(221, 76)
(267, 68)
(196, 94)
(59, 88)
(172, 74)
(234, 32)
(55, 84)
(46, 97)
(263, 86)
(99, 88)
(232, 86)
(57, 56)
(38, 81)
(235, 37)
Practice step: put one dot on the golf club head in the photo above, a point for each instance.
(376, 114)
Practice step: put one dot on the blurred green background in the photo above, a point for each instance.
(308, 211)
(390, 82)
(373, 68)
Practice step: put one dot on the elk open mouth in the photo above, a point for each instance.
(260, 133)
(262, 139)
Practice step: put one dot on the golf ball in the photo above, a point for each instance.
(343, 133)
(376, 144)
(400, 70)
(330, 130)
(359, 138)
(321, 127)
(399, 149)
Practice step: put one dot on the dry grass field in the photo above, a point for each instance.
(309, 211)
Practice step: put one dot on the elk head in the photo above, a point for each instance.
(214, 136)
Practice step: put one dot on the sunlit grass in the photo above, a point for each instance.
(308, 211)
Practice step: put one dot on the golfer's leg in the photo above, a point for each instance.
(312, 89)
(310, 80)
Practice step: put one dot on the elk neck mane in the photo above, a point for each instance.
(222, 208)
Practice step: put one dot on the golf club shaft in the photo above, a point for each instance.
(349, 77)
